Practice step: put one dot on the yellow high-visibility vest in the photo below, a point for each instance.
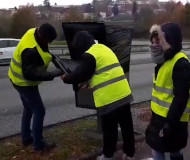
(15, 70)
(162, 94)
(109, 83)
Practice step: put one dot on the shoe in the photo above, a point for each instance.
(103, 157)
(125, 157)
(46, 147)
(28, 142)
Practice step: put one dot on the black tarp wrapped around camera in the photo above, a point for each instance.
(116, 35)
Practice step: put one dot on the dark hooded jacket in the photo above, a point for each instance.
(175, 132)
(31, 61)
(81, 43)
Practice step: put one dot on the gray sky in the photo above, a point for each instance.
(13, 3)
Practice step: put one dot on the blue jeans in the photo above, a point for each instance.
(33, 106)
(157, 155)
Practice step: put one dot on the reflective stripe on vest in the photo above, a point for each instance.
(17, 74)
(109, 82)
(15, 70)
(107, 68)
(104, 84)
(16, 63)
(162, 95)
(166, 104)
(164, 90)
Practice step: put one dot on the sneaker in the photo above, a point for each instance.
(28, 142)
(103, 157)
(46, 148)
(125, 157)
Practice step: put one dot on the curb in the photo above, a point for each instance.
(139, 136)
(71, 120)
(51, 125)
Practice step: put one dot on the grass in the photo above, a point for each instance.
(71, 139)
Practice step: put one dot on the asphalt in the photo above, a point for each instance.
(59, 99)
(142, 58)
(143, 152)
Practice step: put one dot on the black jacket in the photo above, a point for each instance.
(31, 61)
(81, 43)
(84, 72)
(176, 132)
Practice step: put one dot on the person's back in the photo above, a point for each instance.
(108, 76)
(111, 91)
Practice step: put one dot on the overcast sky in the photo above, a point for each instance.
(13, 3)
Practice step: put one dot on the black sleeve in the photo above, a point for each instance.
(54, 62)
(180, 91)
(84, 72)
(31, 66)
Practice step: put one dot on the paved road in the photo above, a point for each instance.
(59, 98)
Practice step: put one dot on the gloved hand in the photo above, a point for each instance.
(84, 86)
(167, 130)
(63, 77)
(57, 73)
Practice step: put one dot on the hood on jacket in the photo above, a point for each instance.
(82, 41)
(173, 35)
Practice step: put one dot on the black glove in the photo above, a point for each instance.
(57, 73)
(167, 130)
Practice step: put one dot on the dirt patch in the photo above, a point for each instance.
(145, 115)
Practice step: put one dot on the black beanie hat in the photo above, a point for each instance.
(82, 41)
(48, 31)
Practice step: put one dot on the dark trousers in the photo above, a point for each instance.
(110, 121)
(33, 106)
(159, 155)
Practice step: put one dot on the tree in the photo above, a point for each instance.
(187, 14)
(23, 20)
(47, 4)
(178, 14)
(74, 15)
(101, 5)
(134, 10)
(146, 18)
(170, 6)
(4, 26)
(175, 12)
(88, 8)
(115, 10)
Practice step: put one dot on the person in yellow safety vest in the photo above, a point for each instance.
(27, 69)
(111, 91)
(170, 105)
